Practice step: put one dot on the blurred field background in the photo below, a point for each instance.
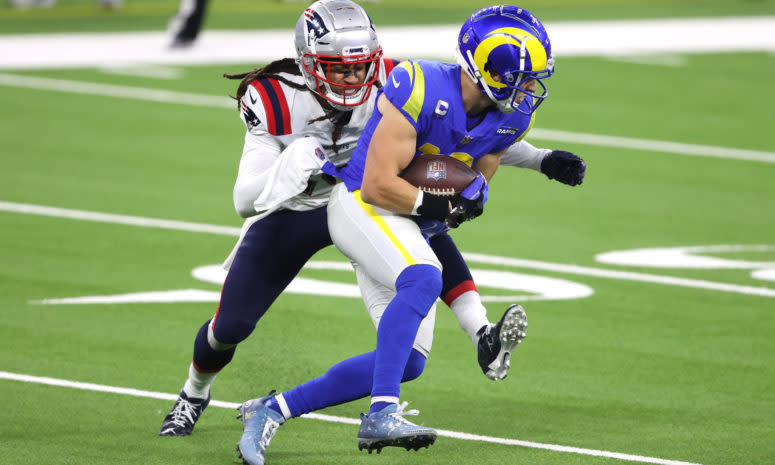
(654, 372)
(84, 15)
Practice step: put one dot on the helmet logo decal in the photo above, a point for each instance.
(316, 28)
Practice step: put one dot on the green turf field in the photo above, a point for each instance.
(658, 372)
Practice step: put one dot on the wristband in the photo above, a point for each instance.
(417, 202)
(432, 206)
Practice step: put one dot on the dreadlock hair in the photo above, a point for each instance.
(288, 66)
(272, 70)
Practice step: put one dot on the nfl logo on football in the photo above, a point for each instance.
(437, 170)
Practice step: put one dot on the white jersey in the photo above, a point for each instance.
(277, 114)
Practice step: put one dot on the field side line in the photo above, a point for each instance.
(474, 257)
(622, 275)
(167, 96)
(111, 90)
(336, 419)
(117, 219)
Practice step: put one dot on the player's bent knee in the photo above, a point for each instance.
(414, 366)
(213, 342)
(423, 282)
(231, 333)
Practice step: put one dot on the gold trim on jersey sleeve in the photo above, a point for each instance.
(529, 126)
(464, 157)
(414, 104)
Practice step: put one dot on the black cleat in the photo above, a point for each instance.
(181, 420)
(497, 342)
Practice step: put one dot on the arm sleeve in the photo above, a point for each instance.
(524, 155)
(258, 156)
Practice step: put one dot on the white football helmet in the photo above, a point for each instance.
(336, 32)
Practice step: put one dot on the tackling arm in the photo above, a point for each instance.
(258, 155)
(523, 154)
(563, 166)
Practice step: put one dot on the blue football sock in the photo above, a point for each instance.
(346, 381)
(418, 287)
(272, 404)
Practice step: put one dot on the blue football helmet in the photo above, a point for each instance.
(501, 48)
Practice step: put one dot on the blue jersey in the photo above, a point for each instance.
(428, 94)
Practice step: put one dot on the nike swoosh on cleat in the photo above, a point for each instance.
(395, 83)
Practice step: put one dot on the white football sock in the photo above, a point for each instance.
(198, 383)
(471, 314)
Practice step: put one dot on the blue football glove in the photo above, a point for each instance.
(564, 167)
(468, 204)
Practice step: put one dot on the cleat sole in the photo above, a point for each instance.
(407, 442)
(513, 330)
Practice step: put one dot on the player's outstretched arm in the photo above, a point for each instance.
(563, 166)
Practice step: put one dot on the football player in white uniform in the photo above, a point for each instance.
(302, 115)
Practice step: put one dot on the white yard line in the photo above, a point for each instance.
(335, 419)
(183, 98)
(472, 257)
(117, 91)
(117, 219)
(651, 145)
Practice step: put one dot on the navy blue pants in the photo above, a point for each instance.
(271, 254)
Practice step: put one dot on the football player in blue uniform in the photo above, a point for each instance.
(472, 111)
(319, 104)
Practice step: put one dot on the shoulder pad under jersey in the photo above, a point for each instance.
(265, 106)
(405, 89)
(386, 67)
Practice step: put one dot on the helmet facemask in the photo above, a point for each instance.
(319, 68)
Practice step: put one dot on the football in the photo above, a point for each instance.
(439, 174)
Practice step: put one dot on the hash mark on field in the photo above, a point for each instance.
(345, 420)
(211, 101)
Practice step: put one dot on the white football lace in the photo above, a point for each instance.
(399, 414)
(183, 413)
(269, 430)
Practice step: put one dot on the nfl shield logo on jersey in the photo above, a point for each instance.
(437, 170)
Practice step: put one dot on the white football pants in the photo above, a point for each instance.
(381, 244)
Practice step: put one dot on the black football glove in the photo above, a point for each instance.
(468, 204)
(564, 167)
